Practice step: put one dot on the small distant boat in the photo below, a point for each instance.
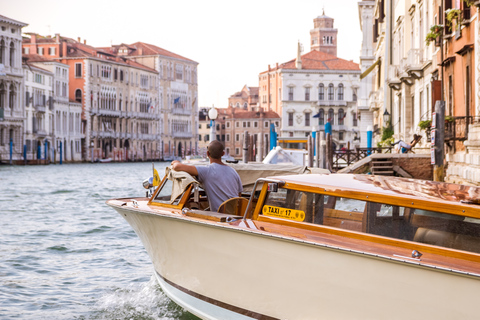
(106, 160)
(315, 246)
(171, 158)
(279, 155)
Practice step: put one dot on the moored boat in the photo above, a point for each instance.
(315, 246)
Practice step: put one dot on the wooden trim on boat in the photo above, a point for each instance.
(375, 239)
(210, 215)
(218, 303)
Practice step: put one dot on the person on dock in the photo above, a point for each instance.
(220, 181)
(406, 147)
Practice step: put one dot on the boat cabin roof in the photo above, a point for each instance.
(464, 199)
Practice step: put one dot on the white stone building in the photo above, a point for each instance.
(56, 120)
(12, 110)
(313, 89)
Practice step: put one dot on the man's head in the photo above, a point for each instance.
(215, 150)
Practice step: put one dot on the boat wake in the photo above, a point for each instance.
(139, 301)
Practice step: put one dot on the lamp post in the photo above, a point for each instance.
(386, 118)
(212, 114)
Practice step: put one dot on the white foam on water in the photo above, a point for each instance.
(138, 301)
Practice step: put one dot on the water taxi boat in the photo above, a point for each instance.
(315, 246)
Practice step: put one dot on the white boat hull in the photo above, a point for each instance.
(221, 272)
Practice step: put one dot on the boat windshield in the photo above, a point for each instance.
(400, 222)
(165, 193)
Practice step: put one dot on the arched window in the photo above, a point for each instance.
(321, 91)
(330, 91)
(340, 92)
(245, 106)
(321, 117)
(330, 115)
(2, 52)
(12, 54)
(341, 116)
(78, 95)
(12, 97)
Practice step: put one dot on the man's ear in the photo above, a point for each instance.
(223, 153)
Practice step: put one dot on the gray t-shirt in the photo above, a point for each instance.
(220, 182)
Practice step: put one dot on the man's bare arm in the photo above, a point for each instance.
(178, 166)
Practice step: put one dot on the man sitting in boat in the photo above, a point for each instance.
(220, 181)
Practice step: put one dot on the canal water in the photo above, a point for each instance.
(64, 254)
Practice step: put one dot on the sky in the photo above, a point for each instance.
(233, 41)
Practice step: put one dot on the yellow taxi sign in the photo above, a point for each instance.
(285, 213)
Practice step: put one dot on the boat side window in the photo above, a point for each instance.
(292, 204)
(165, 194)
(343, 213)
(405, 223)
(423, 226)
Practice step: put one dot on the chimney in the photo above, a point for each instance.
(57, 37)
(64, 49)
(79, 40)
(84, 41)
(33, 38)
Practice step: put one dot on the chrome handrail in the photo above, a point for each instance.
(280, 182)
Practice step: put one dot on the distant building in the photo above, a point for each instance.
(53, 122)
(203, 131)
(236, 121)
(324, 36)
(138, 101)
(246, 99)
(177, 94)
(311, 90)
(12, 106)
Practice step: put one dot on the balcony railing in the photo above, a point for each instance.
(332, 103)
(179, 134)
(181, 111)
(344, 158)
(458, 128)
(40, 108)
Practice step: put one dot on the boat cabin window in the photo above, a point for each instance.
(399, 222)
(165, 193)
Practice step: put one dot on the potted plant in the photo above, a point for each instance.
(387, 137)
(435, 32)
(470, 2)
(427, 126)
(453, 14)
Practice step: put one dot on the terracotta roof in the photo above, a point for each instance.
(246, 114)
(150, 49)
(317, 60)
(35, 58)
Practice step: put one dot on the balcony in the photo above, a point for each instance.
(106, 112)
(40, 108)
(414, 64)
(332, 103)
(404, 76)
(393, 80)
(182, 111)
(179, 134)
(145, 115)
